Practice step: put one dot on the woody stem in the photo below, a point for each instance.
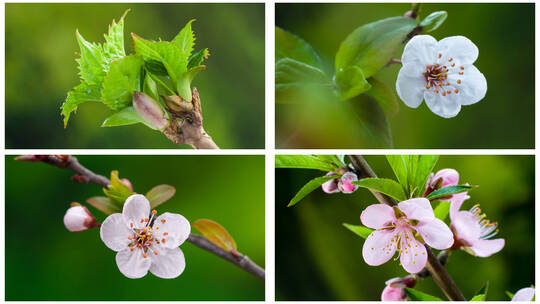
(433, 266)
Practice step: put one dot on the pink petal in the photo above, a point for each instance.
(485, 248)
(377, 216)
(330, 186)
(524, 294)
(168, 263)
(466, 227)
(450, 177)
(417, 209)
(456, 201)
(393, 294)
(345, 183)
(379, 247)
(413, 253)
(435, 233)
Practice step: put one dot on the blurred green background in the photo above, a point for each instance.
(319, 259)
(41, 69)
(44, 261)
(504, 34)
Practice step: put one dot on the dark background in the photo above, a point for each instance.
(44, 261)
(41, 69)
(319, 259)
(504, 34)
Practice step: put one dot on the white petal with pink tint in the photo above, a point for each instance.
(485, 248)
(136, 208)
(466, 227)
(132, 264)
(413, 254)
(435, 233)
(114, 232)
(377, 215)
(168, 263)
(173, 228)
(379, 247)
(417, 209)
(524, 294)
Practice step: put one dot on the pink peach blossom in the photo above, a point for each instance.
(330, 186)
(345, 184)
(403, 228)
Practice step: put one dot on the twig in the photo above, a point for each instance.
(438, 272)
(187, 124)
(71, 163)
(394, 61)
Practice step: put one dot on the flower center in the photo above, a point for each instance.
(487, 229)
(147, 237)
(436, 77)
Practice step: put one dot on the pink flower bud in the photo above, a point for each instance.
(78, 218)
(150, 110)
(345, 183)
(330, 186)
(393, 294)
(448, 177)
(126, 182)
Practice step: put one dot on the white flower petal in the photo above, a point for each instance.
(173, 228)
(136, 208)
(420, 50)
(168, 263)
(472, 84)
(114, 232)
(458, 48)
(446, 106)
(411, 84)
(132, 264)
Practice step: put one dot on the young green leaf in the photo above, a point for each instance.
(481, 294)
(331, 159)
(433, 21)
(117, 191)
(104, 205)
(160, 194)
(304, 162)
(290, 73)
(126, 116)
(372, 45)
(415, 295)
(216, 234)
(442, 210)
(185, 39)
(197, 58)
(384, 95)
(293, 47)
(123, 78)
(150, 87)
(92, 63)
(360, 230)
(423, 165)
(309, 187)
(446, 191)
(184, 83)
(399, 166)
(372, 121)
(383, 185)
(79, 95)
(113, 47)
(351, 82)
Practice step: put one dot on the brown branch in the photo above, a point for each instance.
(187, 123)
(71, 163)
(437, 270)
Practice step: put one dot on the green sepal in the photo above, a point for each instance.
(117, 191)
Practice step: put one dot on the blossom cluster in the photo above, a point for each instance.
(342, 183)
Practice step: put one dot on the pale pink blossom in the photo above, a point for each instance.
(330, 186)
(473, 231)
(145, 242)
(524, 294)
(445, 178)
(345, 184)
(403, 228)
(78, 218)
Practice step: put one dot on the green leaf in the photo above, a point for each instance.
(372, 121)
(482, 293)
(304, 162)
(309, 187)
(291, 73)
(433, 21)
(372, 45)
(150, 87)
(293, 47)
(360, 230)
(447, 191)
(103, 204)
(79, 95)
(415, 295)
(185, 39)
(113, 47)
(442, 210)
(216, 234)
(331, 159)
(92, 63)
(126, 116)
(117, 191)
(123, 78)
(509, 294)
(399, 166)
(383, 185)
(384, 95)
(197, 58)
(159, 55)
(184, 83)
(160, 194)
(423, 165)
(351, 82)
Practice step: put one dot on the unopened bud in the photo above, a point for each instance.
(330, 186)
(177, 104)
(408, 281)
(126, 182)
(78, 218)
(150, 110)
(345, 184)
(31, 158)
(394, 290)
